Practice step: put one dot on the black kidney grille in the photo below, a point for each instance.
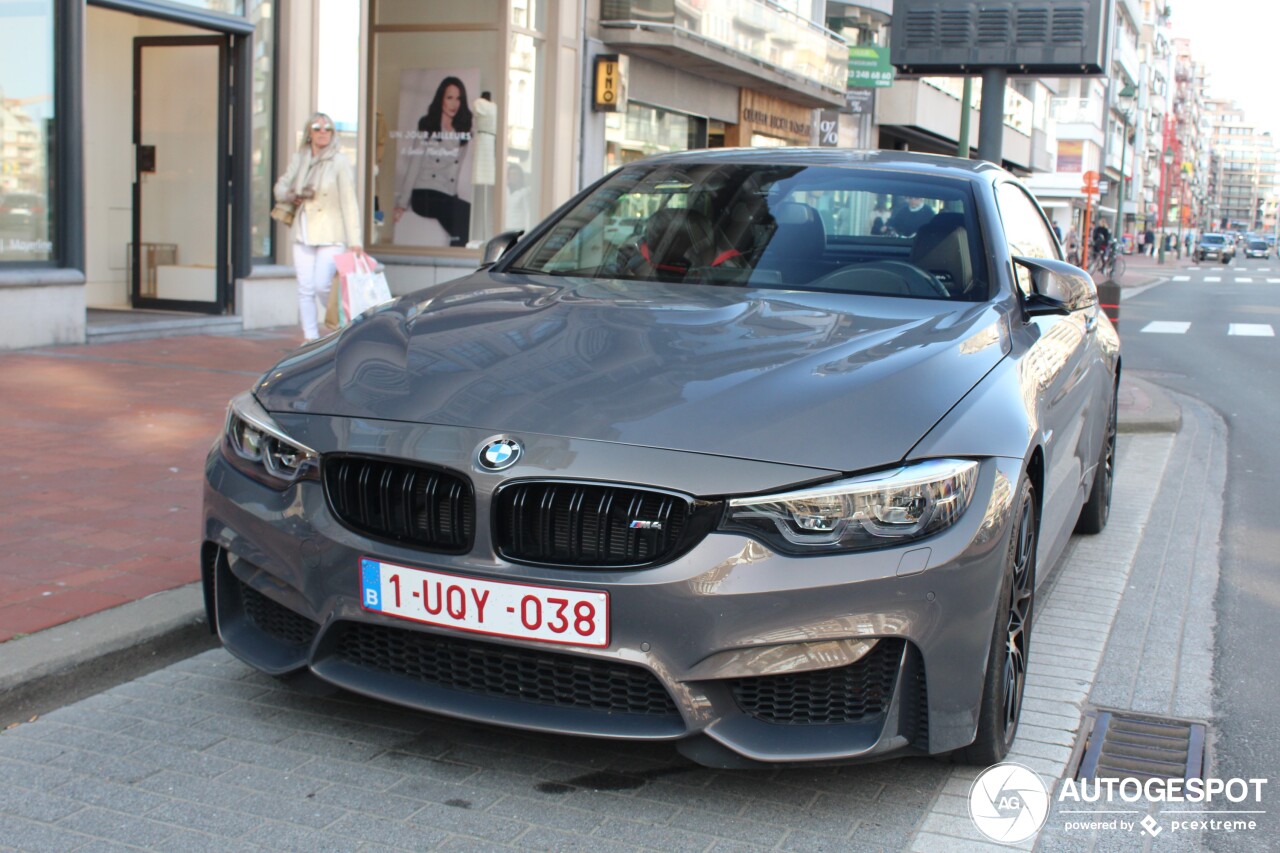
(577, 524)
(855, 693)
(527, 675)
(411, 504)
(275, 619)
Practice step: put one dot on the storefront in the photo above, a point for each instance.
(138, 152)
(768, 122)
(722, 73)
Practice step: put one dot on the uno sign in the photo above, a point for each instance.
(610, 92)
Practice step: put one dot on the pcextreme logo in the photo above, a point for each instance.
(1008, 803)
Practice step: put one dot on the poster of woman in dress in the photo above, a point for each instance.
(434, 180)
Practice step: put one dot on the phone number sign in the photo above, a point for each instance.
(869, 67)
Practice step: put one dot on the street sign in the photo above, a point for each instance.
(1104, 186)
(869, 67)
(1090, 186)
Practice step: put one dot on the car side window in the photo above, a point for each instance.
(1025, 230)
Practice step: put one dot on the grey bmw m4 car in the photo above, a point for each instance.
(777, 476)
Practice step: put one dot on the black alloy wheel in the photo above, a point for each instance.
(1018, 632)
(1006, 675)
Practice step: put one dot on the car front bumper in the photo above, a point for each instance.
(736, 651)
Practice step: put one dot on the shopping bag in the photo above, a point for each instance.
(362, 285)
(333, 312)
(366, 287)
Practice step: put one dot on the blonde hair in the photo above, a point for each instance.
(306, 131)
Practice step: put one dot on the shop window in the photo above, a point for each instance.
(434, 177)
(524, 179)
(644, 130)
(26, 116)
(457, 154)
(262, 163)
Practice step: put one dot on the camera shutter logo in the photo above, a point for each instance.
(1008, 803)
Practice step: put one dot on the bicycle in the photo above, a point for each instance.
(1108, 261)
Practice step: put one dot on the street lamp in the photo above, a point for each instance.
(1164, 197)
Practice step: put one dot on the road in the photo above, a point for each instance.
(1210, 333)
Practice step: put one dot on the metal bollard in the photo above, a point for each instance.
(1109, 300)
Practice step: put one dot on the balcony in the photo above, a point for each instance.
(753, 44)
(932, 104)
(1076, 111)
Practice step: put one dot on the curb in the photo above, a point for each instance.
(96, 650)
(1146, 407)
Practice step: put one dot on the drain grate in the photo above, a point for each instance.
(1123, 744)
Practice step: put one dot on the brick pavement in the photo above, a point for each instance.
(101, 458)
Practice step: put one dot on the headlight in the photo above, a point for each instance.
(871, 511)
(257, 446)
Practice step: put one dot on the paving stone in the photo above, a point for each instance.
(207, 818)
(34, 805)
(465, 821)
(356, 773)
(542, 813)
(38, 837)
(544, 838)
(379, 834)
(378, 804)
(117, 826)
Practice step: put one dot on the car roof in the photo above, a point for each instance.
(878, 160)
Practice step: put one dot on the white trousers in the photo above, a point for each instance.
(315, 268)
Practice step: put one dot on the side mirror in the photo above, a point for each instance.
(1059, 287)
(497, 246)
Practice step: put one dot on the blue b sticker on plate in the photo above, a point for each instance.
(371, 580)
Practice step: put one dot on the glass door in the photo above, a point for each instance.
(179, 249)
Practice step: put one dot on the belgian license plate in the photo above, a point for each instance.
(501, 609)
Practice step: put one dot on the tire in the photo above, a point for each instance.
(1117, 268)
(1010, 640)
(1097, 509)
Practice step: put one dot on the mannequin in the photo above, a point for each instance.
(484, 163)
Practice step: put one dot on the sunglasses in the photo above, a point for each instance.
(322, 128)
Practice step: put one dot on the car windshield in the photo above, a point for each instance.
(1257, 244)
(1213, 239)
(772, 226)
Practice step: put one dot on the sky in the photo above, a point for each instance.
(1237, 41)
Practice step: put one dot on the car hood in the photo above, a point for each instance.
(824, 380)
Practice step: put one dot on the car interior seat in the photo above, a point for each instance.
(941, 248)
(798, 242)
(679, 239)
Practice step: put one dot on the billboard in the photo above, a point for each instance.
(1037, 37)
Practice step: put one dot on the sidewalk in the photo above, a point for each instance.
(1142, 270)
(100, 499)
(102, 457)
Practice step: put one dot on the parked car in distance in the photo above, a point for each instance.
(1257, 248)
(1215, 246)
(620, 230)
(761, 482)
(21, 214)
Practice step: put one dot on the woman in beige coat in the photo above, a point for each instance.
(321, 182)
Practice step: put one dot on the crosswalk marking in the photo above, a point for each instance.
(1255, 330)
(1213, 278)
(1166, 327)
(1244, 280)
(1264, 269)
(1182, 278)
(1273, 281)
(1193, 268)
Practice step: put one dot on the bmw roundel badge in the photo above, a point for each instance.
(499, 454)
